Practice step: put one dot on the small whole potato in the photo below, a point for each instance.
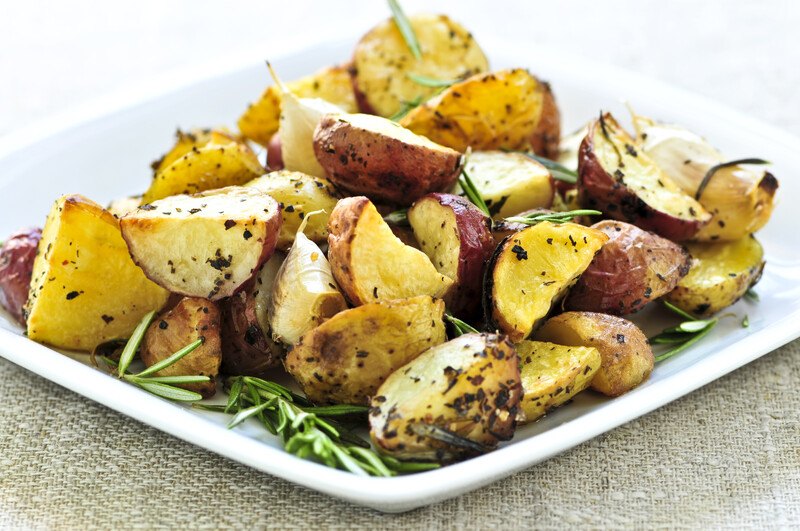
(16, 266)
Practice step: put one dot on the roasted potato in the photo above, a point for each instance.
(85, 288)
(617, 178)
(383, 65)
(454, 400)
(509, 183)
(720, 274)
(533, 269)
(186, 141)
(627, 357)
(739, 197)
(191, 319)
(299, 194)
(553, 374)
(457, 238)
(373, 156)
(633, 268)
(124, 205)
(217, 163)
(304, 292)
(345, 359)
(275, 153)
(261, 119)
(508, 109)
(17, 254)
(370, 263)
(207, 244)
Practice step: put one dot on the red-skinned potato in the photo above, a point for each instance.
(457, 238)
(225, 235)
(274, 153)
(16, 266)
(376, 157)
(633, 268)
(617, 178)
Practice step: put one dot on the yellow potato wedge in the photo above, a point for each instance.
(345, 359)
(720, 274)
(85, 288)
(333, 84)
(186, 141)
(553, 374)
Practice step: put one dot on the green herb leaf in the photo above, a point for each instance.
(746, 322)
(471, 190)
(337, 410)
(406, 30)
(431, 82)
(558, 171)
(246, 413)
(752, 295)
(166, 362)
(691, 341)
(169, 379)
(133, 343)
(459, 326)
(684, 334)
(671, 307)
(405, 107)
(234, 393)
(553, 217)
(714, 169)
(398, 218)
(168, 391)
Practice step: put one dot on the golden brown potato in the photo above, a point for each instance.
(633, 268)
(189, 320)
(509, 183)
(188, 141)
(85, 288)
(345, 359)
(299, 194)
(617, 178)
(553, 374)
(720, 274)
(383, 65)
(373, 156)
(208, 244)
(533, 269)
(17, 254)
(124, 205)
(627, 357)
(370, 263)
(333, 84)
(508, 109)
(454, 400)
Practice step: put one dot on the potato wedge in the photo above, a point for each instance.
(304, 292)
(454, 400)
(720, 275)
(219, 163)
(17, 255)
(345, 359)
(299, 194)
(186, 141)
(633, 268)
(191, 319)
(553, 374)
(207, 244)
(617, 178)
(533, 269)
(333, 84)
(124, 205)
(509, 183)
(457, 238)
(373, 156)
(507, 109)
(85, 288)
(370, 263)
(382, 62)
(627, 359)
(739, 197)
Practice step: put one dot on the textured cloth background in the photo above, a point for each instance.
(725, 456)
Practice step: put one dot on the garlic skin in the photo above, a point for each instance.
(299, 118)
(740, 197)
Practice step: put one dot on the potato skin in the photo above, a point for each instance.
(720, 275)
(633, 268)
(274, 153)
(367, 157)
(246, 347)
(190, 319)
(16, 267)
(546, 138)
(627, 359)
(469, 386)
(345, 359)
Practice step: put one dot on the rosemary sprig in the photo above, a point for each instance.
(552, 217)
(431, 82)
(406, 106)
(459, 327)
(714, 169)
(558, 171)
(746, 321)
(470, 190)
(308, 431)
(406, 30)
(398, 218)
(751, 295)
(163, 386)
(683, 335)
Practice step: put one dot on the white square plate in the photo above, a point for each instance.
(103, 151)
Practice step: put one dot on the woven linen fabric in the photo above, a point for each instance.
(725, 456)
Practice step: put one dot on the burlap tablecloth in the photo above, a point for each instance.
(727, 455)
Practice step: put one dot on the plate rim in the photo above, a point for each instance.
(385, 494)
